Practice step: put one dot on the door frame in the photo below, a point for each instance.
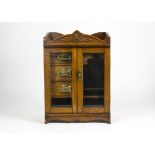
(47, 81)
(106, 108)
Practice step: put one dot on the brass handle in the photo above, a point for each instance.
(65, 72)
(65, 89)
(79, 75)
(64, 57)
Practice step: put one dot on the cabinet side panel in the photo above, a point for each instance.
(107, 80)
(47, 79)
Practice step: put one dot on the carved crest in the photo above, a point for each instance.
(76, 38)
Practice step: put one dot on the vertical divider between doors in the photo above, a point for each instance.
(80, 81)
(74, 79)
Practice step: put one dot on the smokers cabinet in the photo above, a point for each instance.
(77, 77)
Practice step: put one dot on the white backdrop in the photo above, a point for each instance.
(132, 83)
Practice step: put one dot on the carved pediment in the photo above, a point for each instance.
(76, 38)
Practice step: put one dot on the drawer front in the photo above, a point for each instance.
(61, 73)
(61, 58)
(61, 89)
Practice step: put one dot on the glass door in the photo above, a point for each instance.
(62, 80)
(91, 80)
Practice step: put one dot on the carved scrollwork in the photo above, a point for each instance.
(76, 37)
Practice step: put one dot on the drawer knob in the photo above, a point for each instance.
(65, 89)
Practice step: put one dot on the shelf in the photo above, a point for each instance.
(93, 97)
(61, 64)
(93, 88)
(61, 105)
(62, 96)
(97, 106)
(61, 80)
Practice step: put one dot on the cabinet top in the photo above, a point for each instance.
(77, 39)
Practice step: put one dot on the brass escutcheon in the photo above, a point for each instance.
(65, 71)
(64, 57)
(65, 89)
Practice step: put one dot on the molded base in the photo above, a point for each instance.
(69, 118)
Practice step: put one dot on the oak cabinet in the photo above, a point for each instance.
(77, 77)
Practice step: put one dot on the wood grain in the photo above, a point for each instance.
(75, 44)
(74, 80)
(107, 80)
(69, 118)
(47, 79)
(61, 110)
(80, 81)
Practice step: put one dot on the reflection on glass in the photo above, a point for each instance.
(93, 79)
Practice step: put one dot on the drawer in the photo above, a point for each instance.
(61, 73)
(61, 58)
(61, 89)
